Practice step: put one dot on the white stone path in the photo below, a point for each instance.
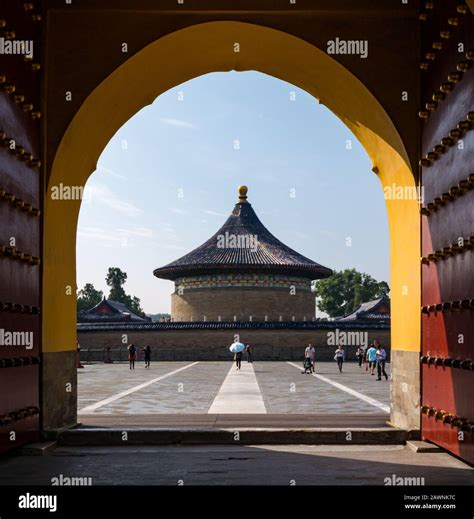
(239, 393)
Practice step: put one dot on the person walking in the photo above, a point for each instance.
(381, 358)
(360, 354)
(248, 351)
(366, 360)
(132, 355)
(372, 357)
(310, 353)
(78, 347)
(147, 353)
(339, 357)
(238, 360)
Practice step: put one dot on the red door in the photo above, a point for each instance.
(20, 188)
(447, 158)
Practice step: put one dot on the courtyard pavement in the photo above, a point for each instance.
(216, 387)
(213, 394)
(237, 465)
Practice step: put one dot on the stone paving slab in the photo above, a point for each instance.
(358, 379)
(192, 391)
(98, 381)
(234, 465)
(286, 390)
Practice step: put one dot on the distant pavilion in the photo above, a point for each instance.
(108, 311)
(243, 273)
(377, 310)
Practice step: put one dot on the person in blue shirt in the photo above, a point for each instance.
(372, 357)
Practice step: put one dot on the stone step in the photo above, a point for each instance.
(38, 448)
(116, 436)
(422, 446)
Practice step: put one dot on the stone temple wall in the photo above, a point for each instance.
(243, 304)
(214, 344)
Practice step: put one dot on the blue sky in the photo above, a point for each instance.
(168, 179)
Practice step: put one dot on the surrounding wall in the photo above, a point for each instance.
(214, 344)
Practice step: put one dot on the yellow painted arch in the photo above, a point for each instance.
(191, 52)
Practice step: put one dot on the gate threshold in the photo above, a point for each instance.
(239, 429)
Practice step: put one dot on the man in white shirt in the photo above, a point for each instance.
(310, 352)
(381, 357)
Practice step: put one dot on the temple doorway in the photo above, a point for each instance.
(212, 264)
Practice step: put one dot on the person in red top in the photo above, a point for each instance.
(132, 355)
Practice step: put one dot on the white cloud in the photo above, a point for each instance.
(142, 232)
(178, 211)
(178, 123)
(330, 234)
(113, 236)
(214, 213)
(168, 228)
(172, 246)
(110, 172)
(301, 235)
(101, 194)
(96, 233)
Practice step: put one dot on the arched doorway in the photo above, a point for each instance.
(171, 60)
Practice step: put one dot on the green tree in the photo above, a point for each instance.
(115, 279)
(345, 290)
(88, 297)
(134, 305)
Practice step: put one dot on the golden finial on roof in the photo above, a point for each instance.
(243, 193)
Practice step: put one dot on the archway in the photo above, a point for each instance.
(190, 52)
